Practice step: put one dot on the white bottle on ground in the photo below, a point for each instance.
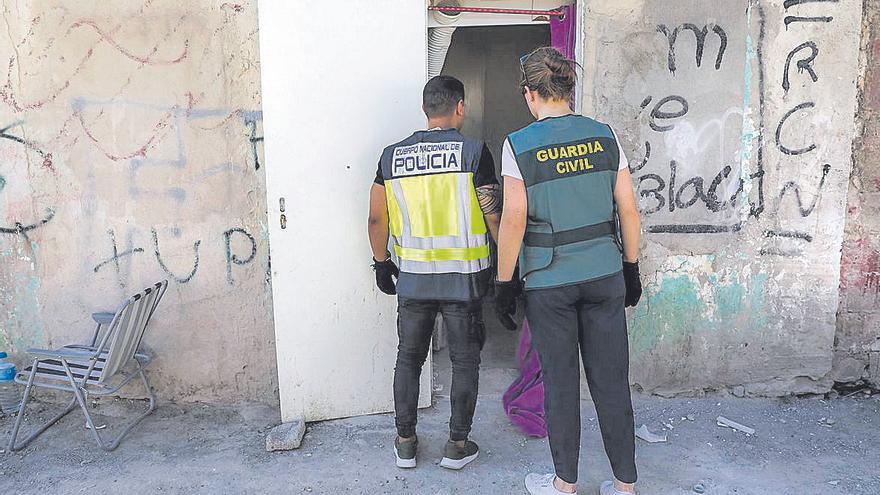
(10, 399)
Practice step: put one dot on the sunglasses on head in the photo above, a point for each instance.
(522, 67)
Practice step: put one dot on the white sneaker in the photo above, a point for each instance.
(607, 488)
(405, 453)
(542, 484)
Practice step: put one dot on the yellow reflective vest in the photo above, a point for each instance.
(438, 232)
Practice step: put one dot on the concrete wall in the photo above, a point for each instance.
(131, 151)
(739, 117)
(858, 323)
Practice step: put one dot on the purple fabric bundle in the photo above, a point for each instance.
(524, 400)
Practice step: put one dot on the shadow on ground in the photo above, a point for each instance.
(802, 446)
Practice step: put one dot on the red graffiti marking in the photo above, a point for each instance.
(860, 267)
(142, 65)
(63, 133)
(159, 132)
(877, 183)
(154, 139)
(234, 6)
(137, 58)
(34, 22)
(7, 95)
(29, 145)
(47, 162)
(129, 80)
(231, 115)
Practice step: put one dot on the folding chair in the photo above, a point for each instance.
(101, 368)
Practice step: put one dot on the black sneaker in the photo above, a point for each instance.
(405, 452)
(455, 457)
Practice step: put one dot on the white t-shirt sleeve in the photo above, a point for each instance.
(509, 167)
(624, 162)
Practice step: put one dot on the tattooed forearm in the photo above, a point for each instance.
(489, 197)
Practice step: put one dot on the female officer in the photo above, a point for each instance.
(566, 180)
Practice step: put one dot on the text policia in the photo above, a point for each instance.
(426, 158)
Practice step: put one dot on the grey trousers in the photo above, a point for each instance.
(587, 321)
(466, 334)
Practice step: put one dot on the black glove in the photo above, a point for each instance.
(633, 283)
(505, 302)
(384, 271)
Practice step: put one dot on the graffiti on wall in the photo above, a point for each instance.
(16, 152)
(736, 172)
(131, 150)
(240, 246)
(170, 158)
(41, 49)
(792, 140)
(172, 124)
(706, 146)
(688, 181)
(231, 239)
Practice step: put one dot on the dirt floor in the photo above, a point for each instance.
(802, 446)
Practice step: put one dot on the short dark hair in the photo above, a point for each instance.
(441, 96)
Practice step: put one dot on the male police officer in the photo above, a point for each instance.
(437, 194)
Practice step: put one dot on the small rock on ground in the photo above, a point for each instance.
(286, 436)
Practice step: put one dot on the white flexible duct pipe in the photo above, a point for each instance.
(439, 39)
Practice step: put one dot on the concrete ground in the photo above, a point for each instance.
(202, 449)
(802, 446)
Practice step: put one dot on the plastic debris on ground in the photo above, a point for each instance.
(722, 421)
(646, 435)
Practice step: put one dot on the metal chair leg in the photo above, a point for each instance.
(134, 422)
(13, 447)
(80, 397)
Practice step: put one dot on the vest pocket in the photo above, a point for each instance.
(534, 258)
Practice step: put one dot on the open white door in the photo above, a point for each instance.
(341, 80)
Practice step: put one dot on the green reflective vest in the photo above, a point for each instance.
(569, 166)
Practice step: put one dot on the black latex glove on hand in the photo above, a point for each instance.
(385, 270)
(505, 302)
(633, 283)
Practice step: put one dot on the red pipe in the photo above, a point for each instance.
(482, 10)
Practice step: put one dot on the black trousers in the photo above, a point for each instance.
(466, 334)
(589, 318)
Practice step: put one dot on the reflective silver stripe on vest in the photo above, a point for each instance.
(464, 239)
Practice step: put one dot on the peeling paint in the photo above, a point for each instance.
(689, 301)
(20, 292)
(858, 331)
(748, 126)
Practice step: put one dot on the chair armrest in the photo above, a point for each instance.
(61, 353)
(88, 348)
(103, 318)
